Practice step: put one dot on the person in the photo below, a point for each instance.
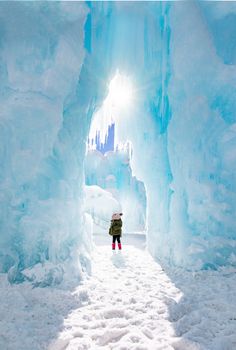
(116, 230)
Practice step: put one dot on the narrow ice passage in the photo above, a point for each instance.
(124, 304)
(131, 303)
(57, 62)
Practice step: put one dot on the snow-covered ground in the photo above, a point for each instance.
(129, 303)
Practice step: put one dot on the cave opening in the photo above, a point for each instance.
(111, 184)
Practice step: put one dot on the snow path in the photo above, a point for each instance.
(125, 304)
(128, 303)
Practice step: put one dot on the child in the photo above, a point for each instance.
(115, 230)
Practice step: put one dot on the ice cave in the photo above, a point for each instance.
(57, 61)
(110, 106)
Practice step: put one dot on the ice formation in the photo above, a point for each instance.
(57, 59)
(112, 173)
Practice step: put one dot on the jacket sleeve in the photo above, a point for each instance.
(111, 227)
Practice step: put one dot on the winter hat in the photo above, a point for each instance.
(116, 216)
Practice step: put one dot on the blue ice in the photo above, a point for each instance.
(56, 60)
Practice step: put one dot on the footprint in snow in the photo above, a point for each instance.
(113, 313)
(111, 336)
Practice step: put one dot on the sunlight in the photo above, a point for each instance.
(118, 104)
(120, 91)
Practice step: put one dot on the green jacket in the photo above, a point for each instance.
(115, 228)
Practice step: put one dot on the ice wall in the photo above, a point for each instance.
(42, 53)
(100, 204)
(181, 58)
(48, 93)
(56, 61)
(112, 172)
(201, 135)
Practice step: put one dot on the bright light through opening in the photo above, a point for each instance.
(120, 92)
(117, 105)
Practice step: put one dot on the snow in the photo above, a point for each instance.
(57, 61)
(130, 302)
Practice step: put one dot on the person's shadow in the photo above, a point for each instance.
(118, 260)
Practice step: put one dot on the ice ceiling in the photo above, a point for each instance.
(56, 59)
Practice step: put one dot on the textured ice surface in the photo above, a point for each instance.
(100, 205)
(41, 58)
(112, 172)
(182, 126)
(201, 135)
(56, 63)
